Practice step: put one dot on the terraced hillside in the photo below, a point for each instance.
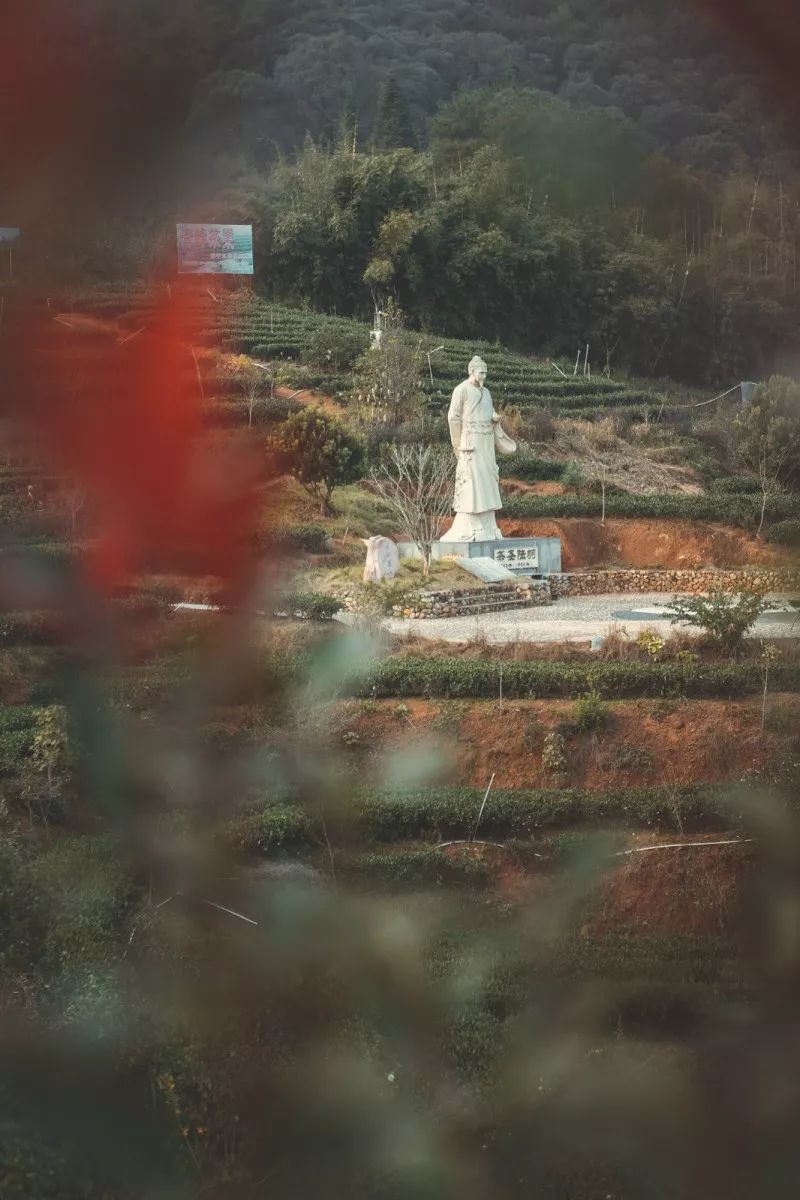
(270, 331)
(460, 867)
(273, 331)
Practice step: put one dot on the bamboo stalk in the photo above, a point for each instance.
(483, 806)
(684, 846)
(122, 341)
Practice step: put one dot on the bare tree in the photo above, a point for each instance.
(414, 481)
(74, 499)
(767, 461)
(767, 436)
(253, 394)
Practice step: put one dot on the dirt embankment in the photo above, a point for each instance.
(650, 743)
(669, 892)
(670, 545)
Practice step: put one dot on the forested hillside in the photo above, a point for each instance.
(546, 174)
(240, 78)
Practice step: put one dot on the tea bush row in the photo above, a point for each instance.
(453, 812)
(441, 813)
(425, 866)
(785, 533)
(308, 606)
(530, 467)
(449, 678)
(311, 538)
(730, 509)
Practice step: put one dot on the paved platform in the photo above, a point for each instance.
(578, 619)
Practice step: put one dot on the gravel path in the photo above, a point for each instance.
(577, 619)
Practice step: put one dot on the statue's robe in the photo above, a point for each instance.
(477, 490)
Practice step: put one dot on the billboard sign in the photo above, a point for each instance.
(215, 249)
(8, 234)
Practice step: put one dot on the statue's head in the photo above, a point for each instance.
(477, 371)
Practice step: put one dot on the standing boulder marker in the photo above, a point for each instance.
(383, 560)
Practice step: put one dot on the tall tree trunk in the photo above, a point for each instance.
(763, 511)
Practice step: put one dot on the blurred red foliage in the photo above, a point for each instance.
(122, 417)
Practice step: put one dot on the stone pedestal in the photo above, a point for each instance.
(523, 556)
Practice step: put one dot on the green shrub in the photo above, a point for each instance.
(322, 452)
(277, 826)
(308, 606)
(725, 617)
(335, 345)
(785, 533)
(573, 475)
(591, 712)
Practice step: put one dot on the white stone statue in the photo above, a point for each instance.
(475, 431)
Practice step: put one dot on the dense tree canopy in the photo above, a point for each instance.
(546, 173)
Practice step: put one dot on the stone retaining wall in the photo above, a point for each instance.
(599, 583)
(528, 593)
(462, 602)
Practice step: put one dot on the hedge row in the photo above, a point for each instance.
(785, 533)
(531, 467)
(527, 383)
(444, 812)
(415, 867)
(307, 606)
(448, 678)
(311, 538)
(441, 813)
(730, 509)
(674, 418)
